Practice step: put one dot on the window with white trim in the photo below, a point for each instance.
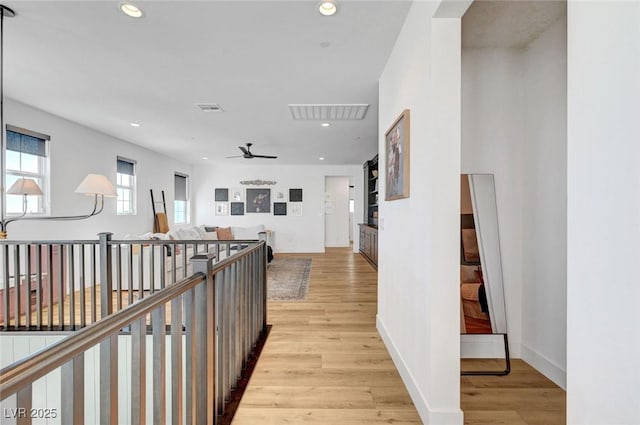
(126, 186)
(27, 156)
(181, 199)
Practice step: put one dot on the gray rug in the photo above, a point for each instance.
(288, 279)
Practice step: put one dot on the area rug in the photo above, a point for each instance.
(288, 279)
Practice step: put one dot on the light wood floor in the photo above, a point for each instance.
(324, 363)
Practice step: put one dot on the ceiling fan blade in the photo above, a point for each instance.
(237, 156)
(244, 150)
(265, 156)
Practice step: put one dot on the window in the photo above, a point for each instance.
(126, 187)
(27, 156)
(181, 199)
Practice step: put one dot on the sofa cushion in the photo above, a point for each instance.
(247, 233)
(188, 233)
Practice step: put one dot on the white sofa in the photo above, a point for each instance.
(190, 233)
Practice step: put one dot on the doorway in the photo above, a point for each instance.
(336, 211)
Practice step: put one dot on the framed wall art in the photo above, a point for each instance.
(222, 208)
(279, 208)
(295, 195)
(397, 158)
(295, 209)
(258, 200)
(222, 195)
(236, 195)
(237, 208)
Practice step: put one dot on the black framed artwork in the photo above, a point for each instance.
(237, 208)
(279, 208)
(258, 200)
(295, 195)
(222, 195)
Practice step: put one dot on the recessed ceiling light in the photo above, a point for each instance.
(321, 158)
(204, 157)
(326, 124)
(134, 124)
(328, 7)
(131, 10)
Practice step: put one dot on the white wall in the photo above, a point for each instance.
(336, 230)
(514, 126)
(603, 204)
(418, 300)
(77, 151)
(544, 247)
(492, 143)
(291, 234)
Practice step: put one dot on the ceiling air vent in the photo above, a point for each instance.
(335, 112)
(210, 107)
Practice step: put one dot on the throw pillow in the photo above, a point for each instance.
(224, 233)
(211, 236)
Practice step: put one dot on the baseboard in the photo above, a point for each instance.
(545, 366)
(427, 414)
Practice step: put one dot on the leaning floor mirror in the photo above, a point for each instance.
(482, 304)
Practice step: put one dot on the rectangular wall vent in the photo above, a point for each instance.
(335, 112)
(210, 107)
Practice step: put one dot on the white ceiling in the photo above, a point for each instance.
(89, 63)
(513, 23)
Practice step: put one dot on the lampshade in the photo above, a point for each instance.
(96, 184)
(24, 187)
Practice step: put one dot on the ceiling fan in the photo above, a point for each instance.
(248, 155)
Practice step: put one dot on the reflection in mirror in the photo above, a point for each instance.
(482, 308)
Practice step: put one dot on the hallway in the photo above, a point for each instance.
(324, 362)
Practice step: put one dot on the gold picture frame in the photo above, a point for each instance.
(397, 158)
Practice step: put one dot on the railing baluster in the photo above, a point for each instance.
(94, 295)
(27, 296)
(159, 365)
(109, 380)
(212, 411)
(16, 286)
(152, 281)
(177, 410)
(50, 286)
(174, 255)
(191, 376)
(72, 391)
(23, 402)
(119, 276)
(141, 271)
(83, 285)
(61, 286)
(130, 274)
(232, 326)
(220, 324)
(138, 371)
(163, 268)
(5, 293)
(39, 286)
(72, 290)
(201, 353)
(228, 302)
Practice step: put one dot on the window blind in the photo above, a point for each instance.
(180, 187)
(25, 143)
(126, 167)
